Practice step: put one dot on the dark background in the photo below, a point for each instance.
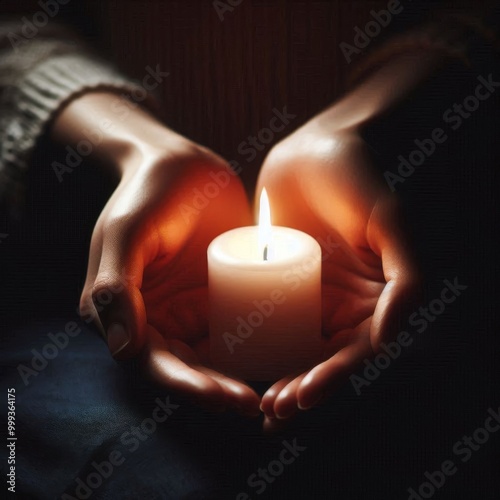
(225, 79)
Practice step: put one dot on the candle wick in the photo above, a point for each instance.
(265, 252)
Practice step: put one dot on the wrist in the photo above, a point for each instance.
(153, 154)
(115, 133)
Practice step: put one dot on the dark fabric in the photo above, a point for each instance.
(78, 410)
(82, 407)
(373, 446)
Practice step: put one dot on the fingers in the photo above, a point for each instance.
(171, 372)
(325, 378)
(291, 394)
(87, 307)
(280, 400)
(267, 404)
(238, 395)
(205, 387)
(286, 403)
(124, 319)
(387, 239)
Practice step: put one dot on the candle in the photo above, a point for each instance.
(264, 287)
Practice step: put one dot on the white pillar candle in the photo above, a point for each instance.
(265, 300)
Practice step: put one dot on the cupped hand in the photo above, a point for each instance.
(146, 282)
(320, 180)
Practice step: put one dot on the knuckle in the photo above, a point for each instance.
(279, 155)
(186, 153)
(117, 222)
(105, 289)
(85, 300)
(111, 283)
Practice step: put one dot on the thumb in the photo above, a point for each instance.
(117, 297)
(389, 239)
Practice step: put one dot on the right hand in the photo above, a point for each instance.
(146, 283)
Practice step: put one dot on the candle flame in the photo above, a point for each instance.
(264, 225)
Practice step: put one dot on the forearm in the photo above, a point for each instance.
(116, 130)
(384, 88)
(37, 80)
(389, 74)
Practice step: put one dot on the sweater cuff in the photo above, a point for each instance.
(29, 107)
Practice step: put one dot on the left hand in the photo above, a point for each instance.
(321, 181)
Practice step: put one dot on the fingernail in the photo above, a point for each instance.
(287, 413)
(117, 337)
(313, 401)
(270, 410)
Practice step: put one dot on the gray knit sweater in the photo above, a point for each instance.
(37, 77)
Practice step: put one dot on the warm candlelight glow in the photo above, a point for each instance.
(264, 226)
(264, 291)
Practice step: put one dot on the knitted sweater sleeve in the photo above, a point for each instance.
(37, 77)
